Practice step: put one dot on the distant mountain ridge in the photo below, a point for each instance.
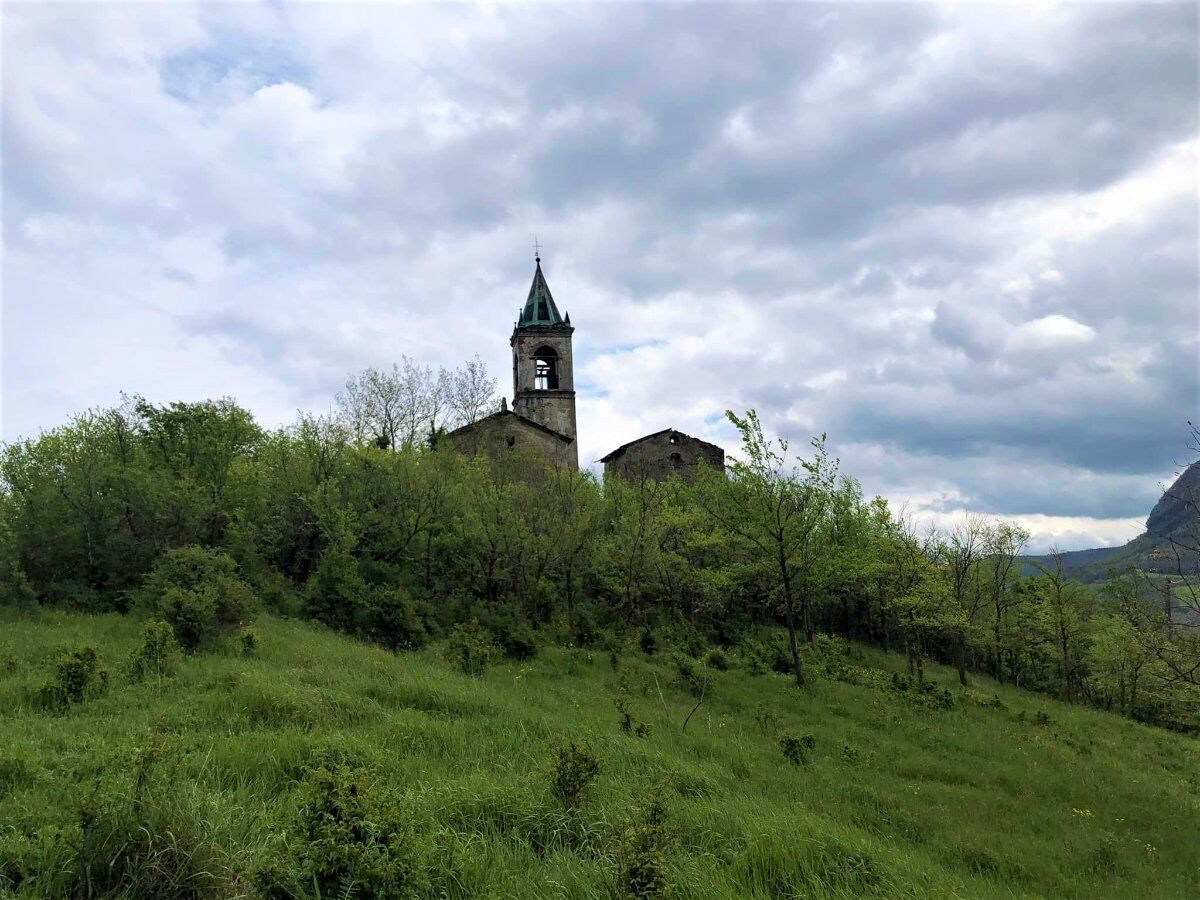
(1175, 516)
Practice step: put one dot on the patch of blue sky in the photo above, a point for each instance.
(629, 348)
(230, 66)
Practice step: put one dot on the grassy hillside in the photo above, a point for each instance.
(1005, 794)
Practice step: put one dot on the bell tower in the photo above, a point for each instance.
(543, 380)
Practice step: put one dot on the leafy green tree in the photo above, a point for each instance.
(775, 504)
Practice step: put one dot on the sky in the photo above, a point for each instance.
(960, 240)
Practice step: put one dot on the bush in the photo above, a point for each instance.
(470, 649)
(198, 592)
(396, 620)
(247, 642)
(584, 630)
(770, 655)
(510, 633)
(925, 692)
(796, 749)
(15, 590)
(648, 642)
(642, 854)
(716, 659)
(626, 723)
(76, 677)
(692, 675)
(350, 840)
(158, 654)
(575, 769)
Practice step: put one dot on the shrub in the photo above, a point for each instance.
(198, 592)
(396, 620)
(15, 590)
(626, 723)
(470, 649)
(348, 841)
(510, 633)
(584, 630)
(770, 655)
(648, 642)
(767, 719)
(158, 654)
(692, 675)
(716, 659)
(925, 692)
(247, 642)
(642, 854)
(575, 769)
(796, 749)
(76, 677)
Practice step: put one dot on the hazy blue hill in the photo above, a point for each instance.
(1173, 518)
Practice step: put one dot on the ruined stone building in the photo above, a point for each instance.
(542, 418)
(662, 454)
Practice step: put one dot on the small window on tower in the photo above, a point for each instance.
(676, 460)
(545, 369)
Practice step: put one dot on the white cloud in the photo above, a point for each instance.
(946, 236)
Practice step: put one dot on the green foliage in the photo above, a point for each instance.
(198, 593)
(470, 649)
(642, 855)
(694, 676)
(247, 642)
(76, 676)
(510, 633)
(351, 839)
(648, 642)
(196, 514)
(796, 748)
(574, 771)
(716, 659)
(906, 811)
(157, 656)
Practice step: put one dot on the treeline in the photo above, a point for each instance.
(368, 522)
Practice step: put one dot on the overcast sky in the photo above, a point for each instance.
(962, 241)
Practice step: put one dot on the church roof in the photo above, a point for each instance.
(518, 420)
(539, 308)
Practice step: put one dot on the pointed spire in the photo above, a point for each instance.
(539, 307)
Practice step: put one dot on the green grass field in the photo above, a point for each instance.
(898, 799)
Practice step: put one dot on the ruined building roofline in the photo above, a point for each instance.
(525, 420)
(645, 437)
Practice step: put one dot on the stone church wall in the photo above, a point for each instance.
(659, 456)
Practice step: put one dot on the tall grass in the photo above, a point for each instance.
(184, 785)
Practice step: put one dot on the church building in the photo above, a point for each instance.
(542, 418)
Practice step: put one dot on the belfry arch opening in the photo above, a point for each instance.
(545, 369)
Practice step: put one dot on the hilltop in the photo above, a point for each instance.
(1174, 520)
(199, 780)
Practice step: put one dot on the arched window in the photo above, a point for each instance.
(545, 369)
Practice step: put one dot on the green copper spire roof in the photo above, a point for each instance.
(539, 308)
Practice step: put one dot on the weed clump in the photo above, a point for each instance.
(797, 748)
(76, 677)
(642, 854)
(348, 841)
(470, 649)
(626, 722)
(247, 642)
(574, 771)
(922, 691)
(158, 654)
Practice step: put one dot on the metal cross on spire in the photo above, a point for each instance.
(537, 250)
